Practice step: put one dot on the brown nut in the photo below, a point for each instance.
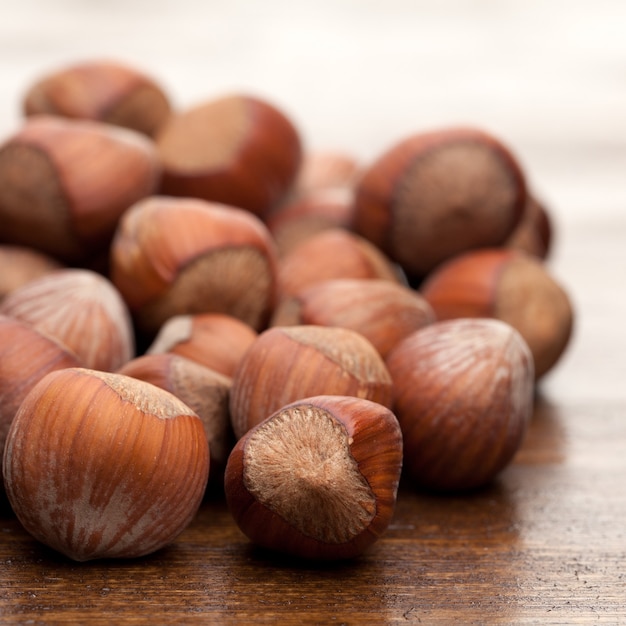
(463, 394)
(100, 465)
(82, 310)
(326, 170)
(437, 194)
(535, 232)
(333, 253)
(22, 264)
(285, 364)
(26, 356)
(303, 217)
(237, 150)
(65, 183)
(214, 340)
(382, 311)
(178, 256)
(203, 390)
(318, 479)
(511, 286)
(102, 90)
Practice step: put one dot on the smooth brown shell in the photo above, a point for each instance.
(100, 465)
(463, 394)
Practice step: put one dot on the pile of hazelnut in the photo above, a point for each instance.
(190, 301)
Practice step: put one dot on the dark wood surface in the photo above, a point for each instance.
(546, 543)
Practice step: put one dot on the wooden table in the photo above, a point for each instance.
(545, 544)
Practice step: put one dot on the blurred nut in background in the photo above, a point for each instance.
(176, 256)
(437, 194)
(237, 150)
(509, 285)
(64, 184)
(382, 311)
(20, 265)
(108, 91)
(333, 253)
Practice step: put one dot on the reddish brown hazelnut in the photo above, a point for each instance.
(333, 253)
(82, 310)
(437, 194)
(318, 479)
(509, 285)
(20, 265)
(237, 150)
(203, 390)
(382, 311)
(65, 183)
(26, 356)
(214, 340)
(535, 232)
(108, 91)
(285, 364)
(303, 217)
(99, 465)
(177, 256)
(463, 394)
(327, 170)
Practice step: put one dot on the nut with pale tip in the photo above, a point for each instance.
(286, 363)
(318, 479)
(100, 465)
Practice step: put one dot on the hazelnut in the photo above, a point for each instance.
(236, 149)
(82, 310)
(100, 465)
(318, 479)
(509, 285)
(325, 170)
(333, 253)
(203, 390)
(214, 340)
(21, 264)
(285, 364)
(382, 311)
(535, 232)
(437, 194)
(177, 256)
(101, 90)
(26, 356)
(303, 217)
(463, 395)
(65, 183)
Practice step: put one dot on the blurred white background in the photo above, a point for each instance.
(547, 76)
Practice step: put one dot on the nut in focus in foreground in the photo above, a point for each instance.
(318, 479)
(463, 394)
(100, 465)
